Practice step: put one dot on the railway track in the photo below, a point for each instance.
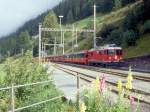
(141, 76)
(145, 96)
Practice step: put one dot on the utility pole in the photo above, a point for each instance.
(76, 38)
(60, 18)
(42, 49)
(55, 47)
(94, 40)
(44, 52)
(72, 37)
(40, 26)
(63, 43)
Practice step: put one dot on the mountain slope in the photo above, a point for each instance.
(142, 48)
(114, 17)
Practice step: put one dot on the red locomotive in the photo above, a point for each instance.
(108, 54)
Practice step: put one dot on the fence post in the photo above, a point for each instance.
(78, 87)
(12, 99)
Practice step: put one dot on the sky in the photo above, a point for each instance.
(14, 13)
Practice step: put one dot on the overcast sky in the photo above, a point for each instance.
(14, 13)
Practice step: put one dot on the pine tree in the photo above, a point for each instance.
(118, 4)
(70, 17)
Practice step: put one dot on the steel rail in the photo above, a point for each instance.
(138, 77)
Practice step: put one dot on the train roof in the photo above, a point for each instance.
(108, 46)
(84, 51)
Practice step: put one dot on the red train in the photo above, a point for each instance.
(108, 54)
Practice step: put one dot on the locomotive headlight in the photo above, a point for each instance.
(116, 57)
(109, 58)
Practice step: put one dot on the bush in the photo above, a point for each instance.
(129, 38)
(25, 70)
(147, 26)
(106, 30)
(115, 37)
(133, 18)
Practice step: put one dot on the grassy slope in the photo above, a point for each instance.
(113, 17)
(142, 48)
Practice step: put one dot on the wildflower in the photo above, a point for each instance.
(130, 75)
(129, 80)
(103, 84)
(119, 87)
(96, 83)
(139, 96)
(83, 107)
(131, 98)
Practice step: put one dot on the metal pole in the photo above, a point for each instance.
(94, 26)
(76, 37)
(40, 25)
(60, 17)
(78, 87)
(12, 99)
(61, 30)
(63, 44)
(72, 37)
(42, 49)
(44, 52)
(55, 47)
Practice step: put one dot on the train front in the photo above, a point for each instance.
(113, 54)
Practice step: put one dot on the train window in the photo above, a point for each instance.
(102, 51)
(119, 52)
(86, 55)
(111, 52)
(105, 51)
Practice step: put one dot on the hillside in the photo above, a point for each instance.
(115, 17)
(142, 48)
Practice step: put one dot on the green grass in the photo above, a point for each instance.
(2, 74)
(142, 48)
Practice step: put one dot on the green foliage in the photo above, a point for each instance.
(133, 18)
(116, 37)
(147, 26)
(118, 4)
(24, 41)
(130, 38)
(15, 45)
(125, 2)
(97, 102)
(106, 30)
(70, 17)
(22, 71)
(77, 9)
(50, 21)
(142, 47)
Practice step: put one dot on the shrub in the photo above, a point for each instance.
(25, 70)
(129, 38)
(115, 37)
(147, 26)
(133, 18)
(106, 30)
